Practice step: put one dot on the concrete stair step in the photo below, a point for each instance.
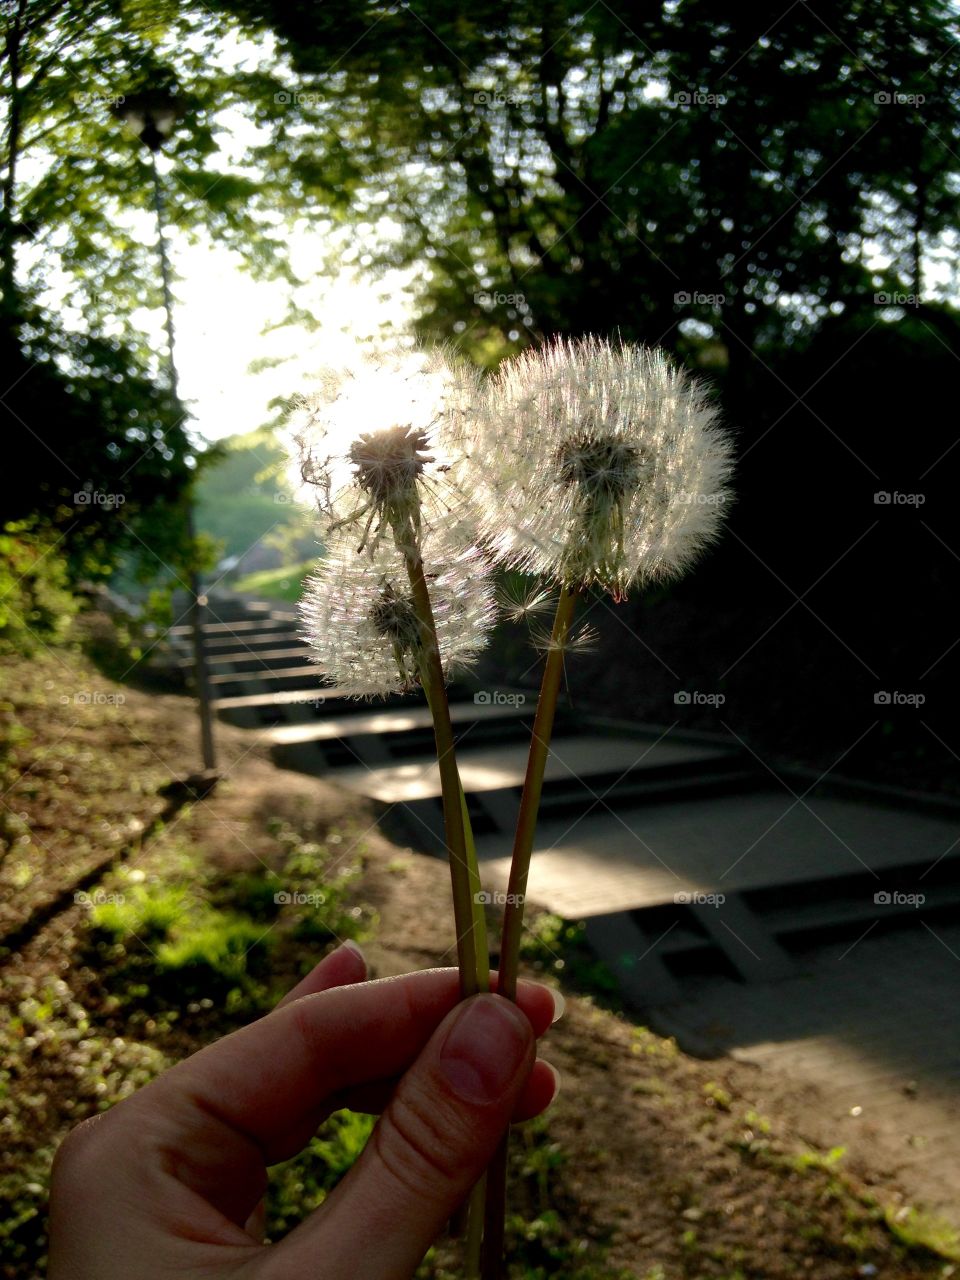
(503, 767)
(244, 660)
(398, 722)
(239, 628)
(244, 642)
(238, 683)
(722, 777)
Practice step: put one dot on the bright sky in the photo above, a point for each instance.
(221, 312)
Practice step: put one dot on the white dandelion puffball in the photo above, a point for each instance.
(597, 464)
(369, 441)
(358, 617)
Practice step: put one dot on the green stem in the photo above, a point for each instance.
(431, 669)
(475, 975)
(516, 893)
(479, 934)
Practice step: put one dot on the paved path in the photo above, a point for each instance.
(815, 932)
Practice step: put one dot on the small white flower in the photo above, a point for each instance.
(597, 464)
(369, 441)
(357, 613)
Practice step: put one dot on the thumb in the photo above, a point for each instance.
(432, 1143)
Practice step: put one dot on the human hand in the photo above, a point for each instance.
(168, 1182)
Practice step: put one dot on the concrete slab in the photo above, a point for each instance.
(498, 767)
(383, 722)
(622, 860)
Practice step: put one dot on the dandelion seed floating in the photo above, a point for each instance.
(598, 465)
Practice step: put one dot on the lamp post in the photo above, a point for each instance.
(150, 117)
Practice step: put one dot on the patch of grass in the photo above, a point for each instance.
(716, 1096)
(299, 1185)
(285, 583)
(804, 1161)
(146, 911)
(917, 1230)
(560, 946)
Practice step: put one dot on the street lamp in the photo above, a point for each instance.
(151, 116)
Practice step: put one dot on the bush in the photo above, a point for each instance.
(36, 605)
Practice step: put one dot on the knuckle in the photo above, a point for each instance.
(78, 1153)
(417, 1143)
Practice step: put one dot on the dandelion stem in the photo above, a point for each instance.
(516, 892)
(453, 809)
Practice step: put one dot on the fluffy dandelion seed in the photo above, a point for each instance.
(526, 603)
(369, 442)
(358, 615)
(597, 464)
(585, 639)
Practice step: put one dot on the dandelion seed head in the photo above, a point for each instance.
(358, 616)
(597, 464)
(369, 445)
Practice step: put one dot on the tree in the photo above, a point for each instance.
(573, 167)
(102, 447)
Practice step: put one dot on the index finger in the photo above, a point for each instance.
(266, 1079)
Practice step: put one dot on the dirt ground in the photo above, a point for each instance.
(676, 1167)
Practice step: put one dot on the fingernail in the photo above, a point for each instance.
(484, 1049)
(559, 1005)
(557, 1080)
(350, 945)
